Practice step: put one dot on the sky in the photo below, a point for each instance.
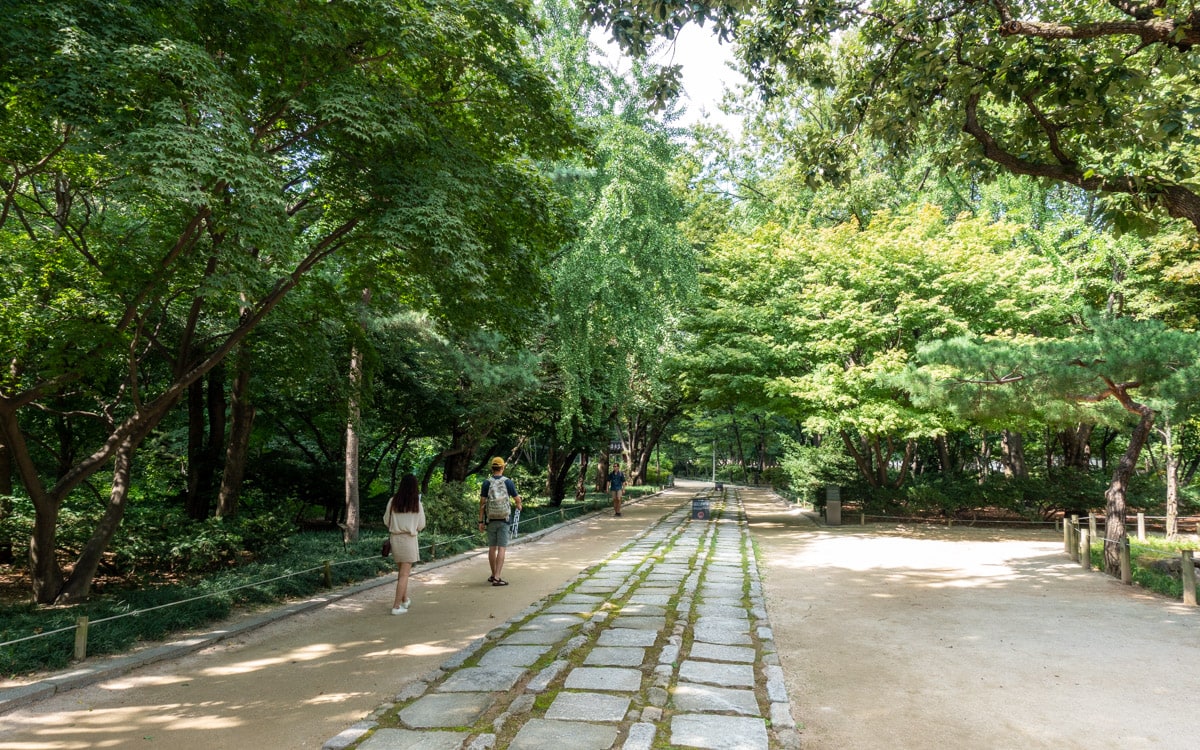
(705, 73)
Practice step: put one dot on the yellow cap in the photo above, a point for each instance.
(497, 463)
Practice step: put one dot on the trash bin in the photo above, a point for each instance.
(833, 506)
(700, 508)
(720, 486)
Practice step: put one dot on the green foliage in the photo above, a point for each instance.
(808, 468)
(221, 590)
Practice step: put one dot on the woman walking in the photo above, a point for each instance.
(404, 517)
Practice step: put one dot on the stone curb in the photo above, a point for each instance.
(104, 668)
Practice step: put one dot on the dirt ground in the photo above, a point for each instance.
(889, 636)
(925, 637)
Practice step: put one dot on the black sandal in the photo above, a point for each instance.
(491, 579)
(499, 582)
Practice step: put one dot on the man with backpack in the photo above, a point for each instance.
(494, 497)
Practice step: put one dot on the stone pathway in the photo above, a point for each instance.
(666, 643)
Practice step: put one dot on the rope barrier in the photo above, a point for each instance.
(561, 511)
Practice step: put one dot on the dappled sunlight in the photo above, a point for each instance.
(305, 653)
(416, 649)
(96, 723)
(332, 698)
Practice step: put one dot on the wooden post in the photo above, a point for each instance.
(862, 518)
(328, 575)
(1074, 550)
(81, 632)
(1085, 549)
(1141, 527)
(1187, 571)
(1066, 530)
(1126, 564)
(1092, 525)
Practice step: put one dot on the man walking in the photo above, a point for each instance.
(494, 509)
(616, 485)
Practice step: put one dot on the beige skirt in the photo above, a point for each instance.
(405, 549)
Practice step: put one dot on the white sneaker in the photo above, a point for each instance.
(399, 610)
(406, 603)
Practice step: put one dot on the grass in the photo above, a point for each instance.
(1144, 552)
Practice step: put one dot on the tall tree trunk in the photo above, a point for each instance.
(1172, 458)
(1077, 448)
(737, 437)
(195, 507)
(581, 479)
(80, 581)
(1012, 454)
(1115, 495)
(241, 424)
(862, 459)
(881, 462)
(943, 452)
(214, 446)
(602, 472)
(353, 418)
(458, 457)
(558, 468)
(6, 474)
(44, 571)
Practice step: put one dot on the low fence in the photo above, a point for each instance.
(1077, 542)
(528, 524)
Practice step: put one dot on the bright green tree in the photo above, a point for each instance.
(173, 173)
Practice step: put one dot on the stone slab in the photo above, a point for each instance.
(615, 656)
(720, 633)
(539, 734)
(719, 732)
(776, 688)
(407, 739)
(582, 608)
(627, 637)
(604, 678)
(446, 710)
(640, 737)
(582, 599)
(643, 610)
(505, 655)
(552, 622)
(717, 652)
(588, 707)
(725, 611)
(660, 599)
(694, 698)
(535, 637)
(482, 679)
(717, 673)
(640, 623)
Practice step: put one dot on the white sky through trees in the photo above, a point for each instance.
(706, 73)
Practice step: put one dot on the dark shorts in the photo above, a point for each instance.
(497, 533)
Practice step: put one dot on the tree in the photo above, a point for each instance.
(816, 324)
(171, 174)
(1134, 363)
(1099, 95)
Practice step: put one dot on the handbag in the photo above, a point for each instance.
(387, 548)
